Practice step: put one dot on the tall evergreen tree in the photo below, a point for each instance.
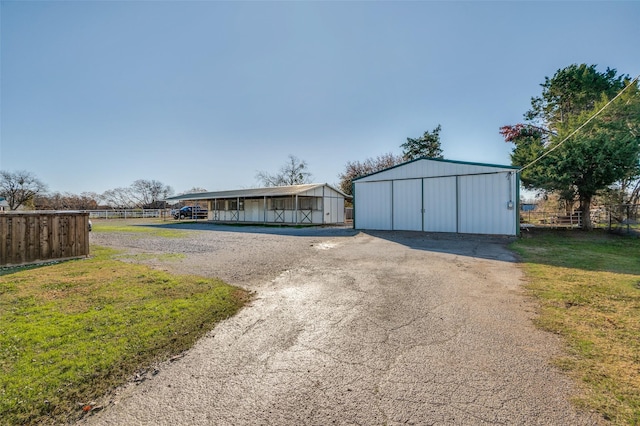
(427, 145)
(604, 151)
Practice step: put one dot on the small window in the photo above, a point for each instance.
(308, 203)
(281, 204)
(235, 205)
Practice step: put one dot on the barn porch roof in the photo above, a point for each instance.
(274, 191)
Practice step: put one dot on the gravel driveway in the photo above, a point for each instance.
(352, 328)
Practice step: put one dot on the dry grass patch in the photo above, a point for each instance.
(587, 284)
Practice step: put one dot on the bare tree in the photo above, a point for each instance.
(20, 187)
(66, 201)
(194, 190)
(118, 198)
(293, 172)
(147, 193)
(141, 194)
(356, 169)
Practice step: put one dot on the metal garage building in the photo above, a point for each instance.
(297, 204)
(439, 196)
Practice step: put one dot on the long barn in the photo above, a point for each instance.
(439, 196)
(296, 204)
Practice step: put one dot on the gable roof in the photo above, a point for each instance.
(439, 160)
(273, 191)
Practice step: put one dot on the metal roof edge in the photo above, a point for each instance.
(442, 160)
(220, 194)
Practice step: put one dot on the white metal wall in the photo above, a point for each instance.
(407, 193)
(373, 208)
(333, 210)
(480, 202)
(440, 204)
(484, 204)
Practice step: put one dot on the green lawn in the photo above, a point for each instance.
(71, 331)
(588, 285)
(140, 226)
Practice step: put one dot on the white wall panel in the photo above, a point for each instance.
(407, 205)
(374, 203)
(483, 204)
(330, 208)
(440, 205)
(253, 210)
(456, 197)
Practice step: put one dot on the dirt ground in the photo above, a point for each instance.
(347, 327)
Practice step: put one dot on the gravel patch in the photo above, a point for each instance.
(245, 256)
(376, 328)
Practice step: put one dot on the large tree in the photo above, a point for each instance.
(604, 151)
(142, 193)
(356, 169)
(293, 172)
(150, 193)
(427, 145)
(20, 187)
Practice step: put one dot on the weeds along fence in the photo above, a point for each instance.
(39, 236)
(619, 218)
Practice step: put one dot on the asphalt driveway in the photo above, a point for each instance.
(358, 328)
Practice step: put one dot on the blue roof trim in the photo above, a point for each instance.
(468, 163)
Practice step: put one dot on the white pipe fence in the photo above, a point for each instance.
(130, 214)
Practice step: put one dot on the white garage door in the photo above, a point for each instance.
(484, 204)
(374, 205)
(407, 205)
(440, 204)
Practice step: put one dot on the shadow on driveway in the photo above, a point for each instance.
(471, 245)
(293, 231)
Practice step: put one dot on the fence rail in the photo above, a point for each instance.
(130, 214)
(624, 217)
(33, 237)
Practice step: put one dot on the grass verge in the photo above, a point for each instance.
(138, 226)
(70, 332)
(588, 285)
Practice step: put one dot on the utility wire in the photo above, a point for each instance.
(581, 126)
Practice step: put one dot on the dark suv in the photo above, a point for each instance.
(190, 212)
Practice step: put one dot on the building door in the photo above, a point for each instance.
(252, 210)
(440, 204)
(374, 208)
(407, 205)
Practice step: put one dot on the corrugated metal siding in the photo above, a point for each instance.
(430, 168)
(407, 205)
(374, 203)
(483, 204)
(469, 198)
(440, 205)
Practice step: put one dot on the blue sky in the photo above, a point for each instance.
(97, 94)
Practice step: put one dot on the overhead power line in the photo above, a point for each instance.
(582, 125)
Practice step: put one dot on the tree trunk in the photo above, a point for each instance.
(585, 209)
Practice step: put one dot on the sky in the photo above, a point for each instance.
(97, 94)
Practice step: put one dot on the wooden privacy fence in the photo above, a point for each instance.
(36, 236)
